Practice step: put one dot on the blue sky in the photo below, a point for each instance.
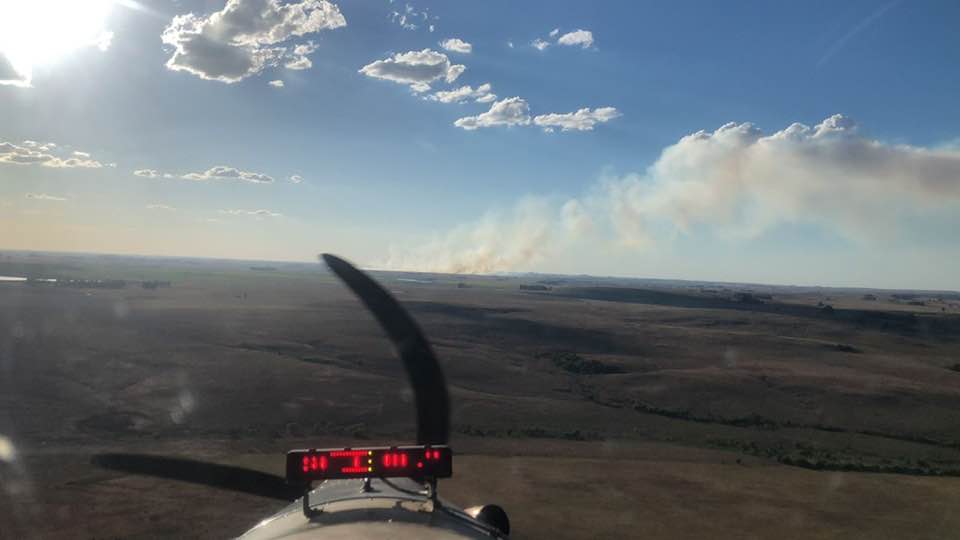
(391, 180)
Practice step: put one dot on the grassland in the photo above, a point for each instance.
(588, 407)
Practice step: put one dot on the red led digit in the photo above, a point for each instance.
(323, 463)
(419, 464)
(314, 463)
(306, 464)
(386, 460)
(403, 460)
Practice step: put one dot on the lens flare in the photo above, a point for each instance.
(40, 32)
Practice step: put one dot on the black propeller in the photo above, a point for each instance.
(426, 378)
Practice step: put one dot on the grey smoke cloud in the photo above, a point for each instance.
(739, 180)
(498, 241)
(734, 181)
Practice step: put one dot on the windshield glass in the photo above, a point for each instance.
(689, 269)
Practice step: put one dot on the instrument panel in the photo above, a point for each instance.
(421, 461)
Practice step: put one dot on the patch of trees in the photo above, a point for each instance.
(809, 456)
(843, 347)
(888, 321)
(760, 422)
(856, 466)
(747, 298)
(93, 283)
(574, 363)
(534, 288)
(529, 432)
(295, 429)
(753, 420)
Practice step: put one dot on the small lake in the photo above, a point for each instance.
(412, 280)
(20, 279)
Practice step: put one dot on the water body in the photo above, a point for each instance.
(21, 279)
(412, 280)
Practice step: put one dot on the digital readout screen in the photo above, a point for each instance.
(304, 466)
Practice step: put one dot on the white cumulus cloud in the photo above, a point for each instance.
(457, 45)
(582, 38)
(277, 83)
(44, 197)
(147, 173)
(299, 59)
(246, 36)
(253, 213)
(480, 94)
(507, 112)
(47, 155)
(415, 68)
(454, 72)
(582, 120)
(409, 18)
(222, 172)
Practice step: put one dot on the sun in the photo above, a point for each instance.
(38, 32)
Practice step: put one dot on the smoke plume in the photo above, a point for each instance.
(734, 182)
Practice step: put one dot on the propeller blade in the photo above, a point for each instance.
(426, 377)
(200, 472)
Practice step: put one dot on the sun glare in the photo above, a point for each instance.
(38, 32)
